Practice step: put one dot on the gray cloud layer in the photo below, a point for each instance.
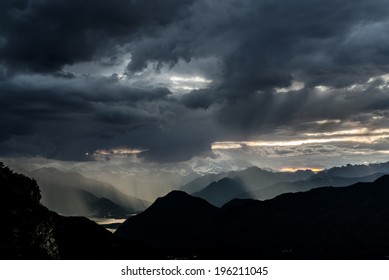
(257, 46)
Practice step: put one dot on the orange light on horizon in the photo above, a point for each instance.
(294, 169)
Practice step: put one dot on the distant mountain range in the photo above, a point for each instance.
(361, 170)
(251, 178)
(222, 191)
(323, 223)
(319, 180)
(256, 183)
(70, 193)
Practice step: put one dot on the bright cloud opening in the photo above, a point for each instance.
(296, 85)
(118, 151)
(355, 135)
(189, 83)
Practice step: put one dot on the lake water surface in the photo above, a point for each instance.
(110, 224)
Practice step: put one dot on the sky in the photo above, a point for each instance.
(276, 83)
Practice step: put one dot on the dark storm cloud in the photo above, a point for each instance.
(44, 36)
(320, 43)
(256, 46)
(68, 114)
(65, 119)
(265, 44)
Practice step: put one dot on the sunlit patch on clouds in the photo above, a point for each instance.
(296, 85)
(356, 131)
(189, 83)
(381, 82)
(327, 121)
(314, 156)
(178, 78)
(384, 78)
(317, 148)
(236, 145)
(313, 151)
(322, 88)
(117, 151)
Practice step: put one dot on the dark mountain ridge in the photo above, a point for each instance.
(178, 213)
(316, 181)
(323, 223)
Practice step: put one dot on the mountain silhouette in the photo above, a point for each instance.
(323, 223)
(220, 192)
(315, 181)
(168, 218)
(30, 231)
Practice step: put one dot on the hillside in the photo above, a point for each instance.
(31, 231)
(323, 223)
(168, 218)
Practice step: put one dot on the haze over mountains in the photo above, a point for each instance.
(145, 181)
(323, 223)
(70, 193)
(251, 177)
(256, 183)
